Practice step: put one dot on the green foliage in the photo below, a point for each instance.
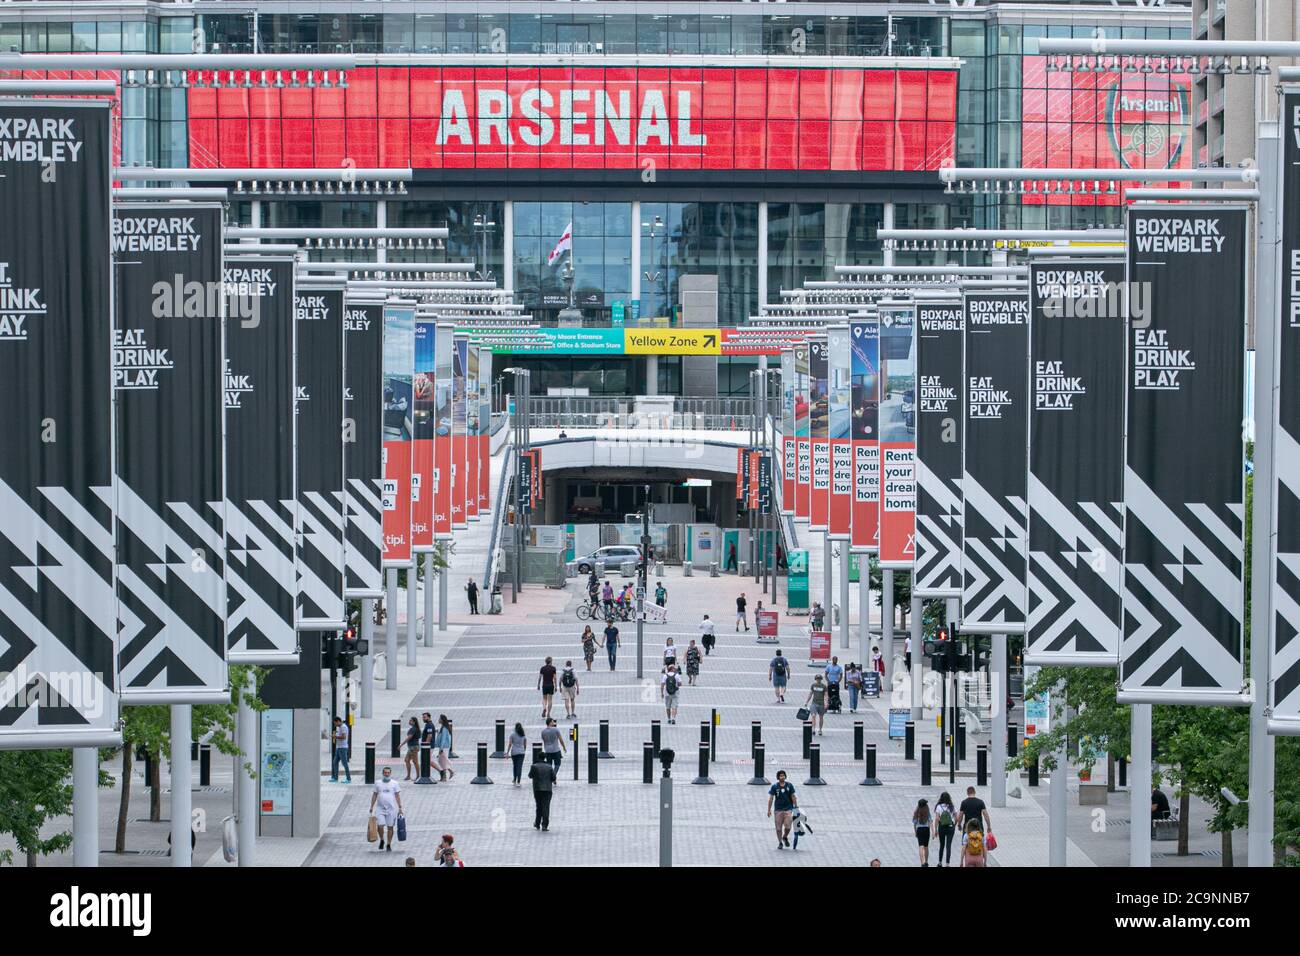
(902, 586)
(35, 785)
(1089, 692)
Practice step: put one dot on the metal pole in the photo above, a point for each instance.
(918, 657)
(641, 581)
(247, 808)
(518, 483)
(887, 627)
(412, 581)
(998, 755)
(666, 819)
(442, 586)
(828, 581)
(767, 548)
(1139, 846)
(1259, 829)
(1057, 809)
(864, 610)
(844, 595)
(749, 512)
(390, 632)
(181, 781)
(368, 659)
(429, 575)
(85, 806)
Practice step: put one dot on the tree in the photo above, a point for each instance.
(35, 786)
(1093, 714)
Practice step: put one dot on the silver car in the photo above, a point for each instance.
(612, 555)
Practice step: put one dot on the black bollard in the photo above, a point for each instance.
(981, 766)
(397, 740)
(481, 776)
(814, 767)
(656, 736)
(593, 761)
(857, 740)
(909, 740)
(961, 739)
(648, 763)
(1033, 773)
(577, 752)
(705, 729)
(194, 750)
(370, 762)
(1123, 772)
(807, 738)
(425, 762)
(925, 765)
(871, 780)
(755, 736)
(500, 740)
(703, 770)
(205, 765)
(604, 741)
(759, 753)
(1013, 737)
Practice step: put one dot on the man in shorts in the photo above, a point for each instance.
(778, 672)
(781, 797)
(569, 690)
(669, 685)
(816, 704)
(386, 807)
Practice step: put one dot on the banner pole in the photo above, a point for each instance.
(368, 659)
(181, 781)
(1139, 847)
(997, 749)
(429, 574)
(886, 626)
(246, 808)
(390, 632)
(85, 806)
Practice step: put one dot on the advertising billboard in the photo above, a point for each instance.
(865, 369)
(897, 414)
(399, 431)
(939, 345)
(424, 448)
(363, 445)
(841, 447)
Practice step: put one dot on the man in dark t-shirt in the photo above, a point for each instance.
(1159, 805)
(546, 684)
(973, 808)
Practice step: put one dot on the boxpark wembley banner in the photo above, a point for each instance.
(399, 409)
(428, 446)
(939, 347)
(995, 462)
(1284, 665)
(321, 371)
(897, 412)
(864, 372)
(840, 397)
(803, 440)
(57, 607)
(168, 378)
(260, 562)
(819, 433)
(363, 448)
(1076, 461)
(788, 465)
(1183, 479)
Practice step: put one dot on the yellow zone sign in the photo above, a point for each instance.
(672, 342)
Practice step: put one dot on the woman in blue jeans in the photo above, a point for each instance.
(518, 747)
(853, 679)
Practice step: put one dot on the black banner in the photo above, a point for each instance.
(363, 433)
(995, 462)
(57, 607)
(1183, 481)
(1284, 666)
(319, 315)
(765, 484)
(260, 579)
(525, 486)
(939, 449)
(168, 380)
(1076, 462)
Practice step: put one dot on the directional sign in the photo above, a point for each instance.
(671, 342)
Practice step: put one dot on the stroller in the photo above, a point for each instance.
(833, 697)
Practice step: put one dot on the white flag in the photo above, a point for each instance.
(564, 245)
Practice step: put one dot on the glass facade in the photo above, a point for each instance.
(601, 254)
(700, 238)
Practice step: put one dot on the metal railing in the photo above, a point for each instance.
(658, 412)
(498, 519)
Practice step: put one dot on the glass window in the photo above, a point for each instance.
(11, 37)
(462, 33)
(430, 33)
(492, 33)
(746, 34)
(620, 34)
(778, 35)
(715, 34)
(399, 33)
(110, 36)
(176, 34)
(34, 38)
(683, 34)
(83, 38)
(581, 33)
(652, 33)
(59, 38)
(526, 32)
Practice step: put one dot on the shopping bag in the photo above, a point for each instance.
(801, 714)
(372, 829)
(401, 827)
(990, 841)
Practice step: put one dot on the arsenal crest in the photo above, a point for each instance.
(1147, 127)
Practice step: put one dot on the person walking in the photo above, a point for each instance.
(921, 824)
(731, 558)
(427, 731)
(553, 745)
(693, 658)
(973, 850)
(588, 645)
(878, 664)
(546, 684)
(708, 635)
(471, 591)
(342, 748)
(669, 684)
(945, 825)
(569, 690)
(446, 854)
(853, 680)
(670, 653)
(607, 595)
(543, 775)
(518, 747)
(741, 616)
(411, 757)
(834, 675)
(817, 616)
(386, 807)
(973, 809)
(816, 704)
(907, 653)
(442, 741)
(781, 797)
(611, 642)
(778, 673)
(661, 595)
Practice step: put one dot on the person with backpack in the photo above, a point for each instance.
(945, 825)
(588, 645)
(669, 685)
(569, 690)
(778, 672)
(973, 850)
(921, 824)
(707, 635)
(546, 684)
(611, 642)
(816, 704)
(692, 663)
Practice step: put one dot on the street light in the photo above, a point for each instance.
(653, 277)
(483, 227)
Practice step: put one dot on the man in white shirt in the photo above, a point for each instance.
(708, 637)
(386, 806)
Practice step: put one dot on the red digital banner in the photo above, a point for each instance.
(1109, 120)
(768, 624)
(740, 474)
(819, 645)
(397, 503)
(865, 533)
(897, 503)
(841, 501)
(424, 391)
(497, 117)
(803, 478)
(484, 473)
(788, 469)
(819, 516)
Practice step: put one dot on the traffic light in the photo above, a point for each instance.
(329, 652)
(940, 648)
(352, 646)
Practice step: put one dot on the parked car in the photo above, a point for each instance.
(612, 555)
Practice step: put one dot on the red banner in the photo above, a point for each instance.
(864, 376)
(819, 517)
(466, 117)
(484, 473)
(819, 645)
(397, 503)
(897, 504)
(841, 499)
(803, 478)
(788, 470)
(741, 464)
(767, 624)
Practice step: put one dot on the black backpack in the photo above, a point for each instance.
(778, 667)
(670, 685)
(567, 679)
